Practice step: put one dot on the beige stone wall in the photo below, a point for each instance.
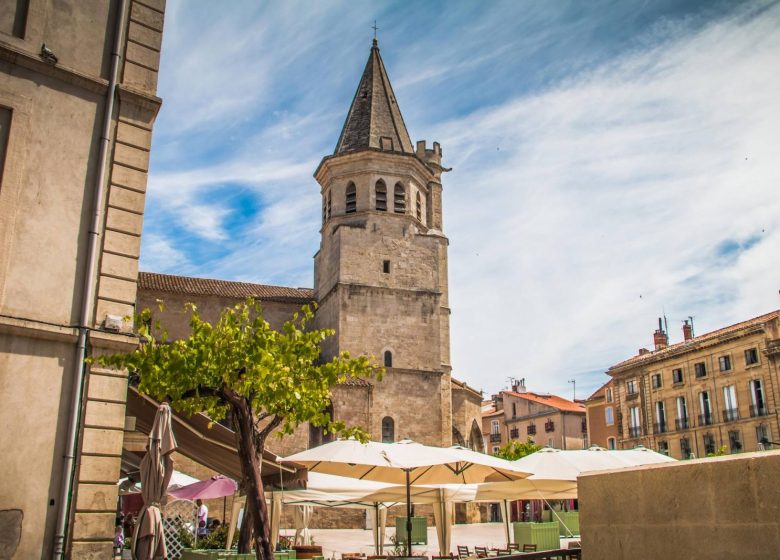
(719, 508)
(175, 317)
(46, 197)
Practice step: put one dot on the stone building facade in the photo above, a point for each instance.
(380, 281)
(520, 414)
(78, 101)
(719, 389)
(602, 414)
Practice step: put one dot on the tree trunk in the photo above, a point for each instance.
(250, 468)
(245, 536)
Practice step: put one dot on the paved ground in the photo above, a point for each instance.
(334, 542)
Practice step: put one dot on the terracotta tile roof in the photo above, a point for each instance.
(493, 413)
(153, 281)
(600, 392)
(550, 400)
(356, 382)
(696, 341)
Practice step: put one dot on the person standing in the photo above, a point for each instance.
(203, 513)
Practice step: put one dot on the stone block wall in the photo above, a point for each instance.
(718, 508)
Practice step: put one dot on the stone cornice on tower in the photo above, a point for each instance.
(374, 119)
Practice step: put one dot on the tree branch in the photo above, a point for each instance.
(272, 425)
(202, 392)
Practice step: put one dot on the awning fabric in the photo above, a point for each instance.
(213, 447)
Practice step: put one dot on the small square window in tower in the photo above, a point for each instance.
(386, 267)
(399, 199)
(388, 358)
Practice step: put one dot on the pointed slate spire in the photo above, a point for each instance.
(374, 119)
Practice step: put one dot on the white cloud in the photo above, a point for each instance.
(604, 203)
(159, 255)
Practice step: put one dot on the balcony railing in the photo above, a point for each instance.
(634, 431)
(549, 426)
(514, 433)
(631, 396)
(660, 427)
(730, 414)
(682, 423)
(705, 419)
(756, 410)
(495, 438)
(531, 429)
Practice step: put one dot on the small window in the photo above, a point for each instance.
(685, 448)
(724, 363)
(5, 128)
(656, 379)
(631, 386)
(330, 204)
(735, 441)
(751, 357)
(663, 448)
(388, 358)
(609, 416)
(495, 450)
(386, 143)
(388, 430)
(386, 267)
(351, 199)
(381, 196)
(709, 444)
(609, 395)
(399, 199)
(677, 376)
(324, 211)
(611, 443)
(514, 410)
(700, 369)
(419, 206)
(531, 429)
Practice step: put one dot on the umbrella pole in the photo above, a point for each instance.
(408, 516)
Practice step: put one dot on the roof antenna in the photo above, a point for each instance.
(374, 27)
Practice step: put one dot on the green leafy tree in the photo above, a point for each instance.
(267, 380)
(514, 449)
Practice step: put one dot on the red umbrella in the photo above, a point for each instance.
(215, 487)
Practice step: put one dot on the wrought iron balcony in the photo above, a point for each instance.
(531, 429)
(514, 433)
(549, 426)
(756, 410)
(705, 419)
(660, 427)
(730, 414)
(631, 396)
(495, 438)
(634, 431)
(682, 423)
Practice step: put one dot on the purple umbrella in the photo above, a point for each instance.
(215, 487)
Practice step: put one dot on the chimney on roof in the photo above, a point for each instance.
(519, 386)
(660, 338)
(643, 351)
(687, 330)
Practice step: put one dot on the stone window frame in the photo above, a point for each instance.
(399, 198)
(388, 426)
(725, 364)
(753, 361)
(387, 357)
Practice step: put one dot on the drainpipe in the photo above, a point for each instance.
(88, 295)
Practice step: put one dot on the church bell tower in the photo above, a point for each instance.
(380, 275)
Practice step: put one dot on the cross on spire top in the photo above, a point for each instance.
(375, 28)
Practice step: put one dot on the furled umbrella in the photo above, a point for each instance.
(156, 471)
(407, 463)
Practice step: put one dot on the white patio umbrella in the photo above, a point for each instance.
(407, 463)
(554, 473)
(156, 471)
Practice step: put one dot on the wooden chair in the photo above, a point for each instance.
(481, 551)
(513, 547)
(503, 552)
(529, 548)
(463, 552)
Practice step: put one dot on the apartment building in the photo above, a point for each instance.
(547, 419)
(602, 414)
(708, 392)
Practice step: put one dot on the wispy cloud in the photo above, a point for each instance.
(610, 163)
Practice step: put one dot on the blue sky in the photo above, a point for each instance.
(612, 161)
